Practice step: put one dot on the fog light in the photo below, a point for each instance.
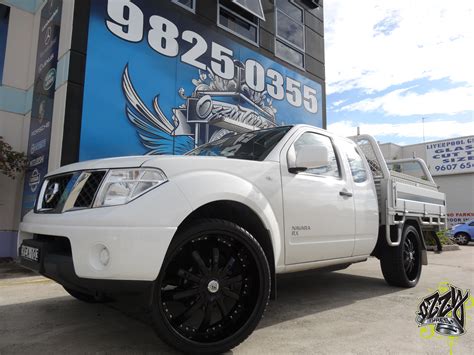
(104, 256)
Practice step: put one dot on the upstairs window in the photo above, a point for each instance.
(187, 4)
(4, 19)
(238, 21)
(290, 44)
(252, 6)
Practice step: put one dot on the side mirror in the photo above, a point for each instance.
(308, 157)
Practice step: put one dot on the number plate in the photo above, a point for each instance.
(30, 253)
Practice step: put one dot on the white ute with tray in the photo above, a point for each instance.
(202, 236)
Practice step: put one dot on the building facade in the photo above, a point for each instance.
(451, 163)
(92, 79)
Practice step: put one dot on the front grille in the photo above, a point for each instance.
(75, 190)
(88, 192)
(54, 190)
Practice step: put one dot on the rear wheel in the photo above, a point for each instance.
(401, 266)
(462, 238)
(213, 288)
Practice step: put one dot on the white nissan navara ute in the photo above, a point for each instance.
(202, 236)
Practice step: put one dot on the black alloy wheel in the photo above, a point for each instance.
(213, 288)
(401, 265)
(410, 257)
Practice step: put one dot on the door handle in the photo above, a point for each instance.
(345, 193)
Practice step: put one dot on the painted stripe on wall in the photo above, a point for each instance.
(8, 244)
(15, 100)
(62, 70)
(25, 5)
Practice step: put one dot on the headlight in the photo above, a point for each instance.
(124, 185)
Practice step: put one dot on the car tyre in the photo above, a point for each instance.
(462, 238)
(213, 288)
(401, 265)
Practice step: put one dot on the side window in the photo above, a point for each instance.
(356, 162)
(471, 224)
(187, 4)
(308, 138)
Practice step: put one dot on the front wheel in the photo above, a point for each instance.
(401, 265)
(213, 288)
(462, 238)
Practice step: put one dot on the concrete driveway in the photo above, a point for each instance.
(351, 311)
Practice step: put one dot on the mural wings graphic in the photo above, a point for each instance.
(156, 132)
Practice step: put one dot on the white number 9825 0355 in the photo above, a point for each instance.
(126, 21)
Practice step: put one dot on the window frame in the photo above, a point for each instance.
(335, 151)
(364, 165)
(256, 25)
(250, 11)
(284, 41)
(192, 9)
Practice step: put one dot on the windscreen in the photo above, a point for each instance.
(250, 146)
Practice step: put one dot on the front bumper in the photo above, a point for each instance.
(135, 253)
(136, 235)
(55, 262)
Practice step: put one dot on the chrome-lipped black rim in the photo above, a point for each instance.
(410, 257)
(210, 288)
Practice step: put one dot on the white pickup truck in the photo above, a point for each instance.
(202, 236)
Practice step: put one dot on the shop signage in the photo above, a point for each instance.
(459, 217)
(43, 101)
(452, 156)
(161, 82)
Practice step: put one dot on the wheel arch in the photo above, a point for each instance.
(382, 246)
(244, 216)
(416, 223)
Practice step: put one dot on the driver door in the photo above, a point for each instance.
(319, 218)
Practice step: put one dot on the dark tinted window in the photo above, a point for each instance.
(187, 3)
(290, 30)
(289, 54)
(251, 146)
(253, 6)
(240, 22)
(290, 9)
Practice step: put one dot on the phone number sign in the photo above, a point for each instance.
(453, 156)
(160, 80)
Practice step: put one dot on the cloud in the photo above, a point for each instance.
(387, 25)
(403, 102)
(374, 44)
(433, 130)
(338, 103)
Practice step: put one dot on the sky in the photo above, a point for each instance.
(390, 65)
